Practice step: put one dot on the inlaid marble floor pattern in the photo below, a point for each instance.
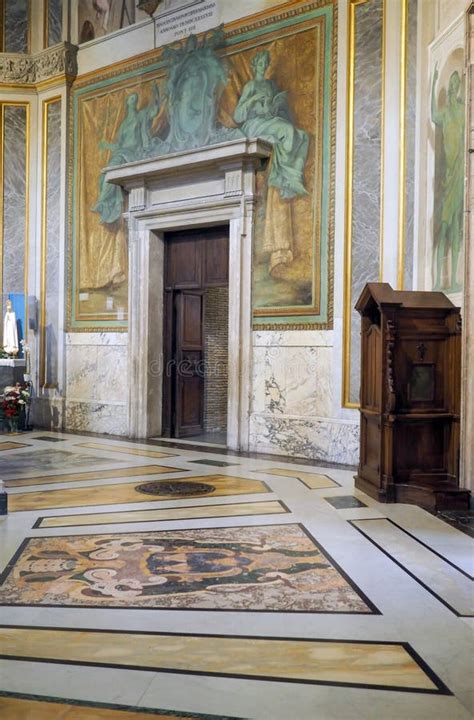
(138, 580)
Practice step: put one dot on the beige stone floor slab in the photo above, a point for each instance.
(225, 485)
(368, 664)
(12, 445)
(135, 471)
(314, 481)
(141, 452)
(271, 507)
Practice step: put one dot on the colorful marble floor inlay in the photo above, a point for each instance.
(49, 461)
(269, 567)
(125, 493)
(189, 512)
(15, 707)
(12, 445)
(176, 489)
(141, 452)
(314, 481)
(135, 471)
(366, 664)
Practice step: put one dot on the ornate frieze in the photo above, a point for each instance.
(59, 60)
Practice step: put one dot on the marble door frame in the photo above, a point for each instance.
(199, 188)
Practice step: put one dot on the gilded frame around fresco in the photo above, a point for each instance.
(240, 36)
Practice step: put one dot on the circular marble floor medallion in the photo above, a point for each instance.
(175, 488)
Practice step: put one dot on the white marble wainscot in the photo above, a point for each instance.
(97, 382)
(292, 373)
(308, 437)
(295, 407)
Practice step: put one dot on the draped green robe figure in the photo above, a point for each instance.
(262, 111)
(450, 120)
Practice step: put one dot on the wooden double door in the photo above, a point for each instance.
(194, 261)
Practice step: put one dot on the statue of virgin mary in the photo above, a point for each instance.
(10, 334)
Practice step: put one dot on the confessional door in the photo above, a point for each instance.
(196, 263)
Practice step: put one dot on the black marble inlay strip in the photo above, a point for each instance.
(49, 439)
(402, 567)
(343, 502)
(217, 463)
(112, 706)
(420, 542)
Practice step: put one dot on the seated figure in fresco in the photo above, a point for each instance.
(450, 120)
(133, 141)
(262, 111)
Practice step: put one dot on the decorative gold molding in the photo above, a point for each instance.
(347, 310)
(44, 240)
(403, 158)
(27, 217)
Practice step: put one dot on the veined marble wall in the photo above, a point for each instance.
(15, 183)
(51, 246)
(294, 408)
(54, 21)
(16, 21)
(97, 382)
(365, 224)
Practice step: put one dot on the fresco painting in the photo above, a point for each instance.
(101, 17)
(447, 112)
(203, 91)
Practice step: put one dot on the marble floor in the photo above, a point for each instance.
(174, 581)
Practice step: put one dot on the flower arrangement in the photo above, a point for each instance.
(14, 403)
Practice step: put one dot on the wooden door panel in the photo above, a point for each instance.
(183, 262)
(189, 380)
(191, 320)
(216, 258)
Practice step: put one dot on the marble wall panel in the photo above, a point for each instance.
(15, 124)
(97, 383)
(336, 442)
(106, 418)
(293, 338)
(97, 373)
(51, 269)
(366, 164)
(258, 380)
(296, 381)
(16, 21)
(55, 21)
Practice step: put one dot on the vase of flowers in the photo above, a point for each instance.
(15, 401)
